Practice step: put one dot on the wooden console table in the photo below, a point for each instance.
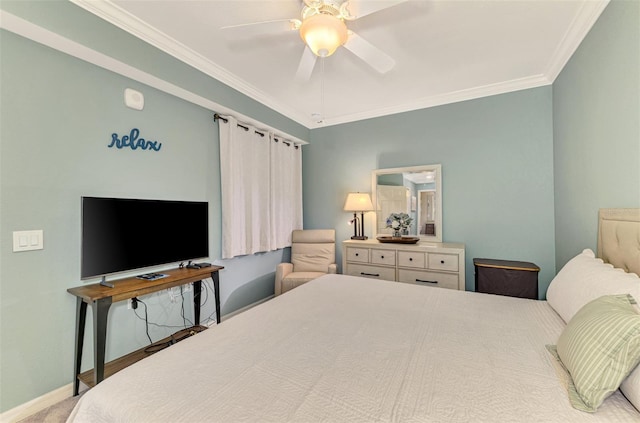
(101, 297)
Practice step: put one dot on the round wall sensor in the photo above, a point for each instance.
(133, 99)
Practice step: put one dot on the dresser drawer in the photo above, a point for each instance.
(360, 255)
(418, 277)
(430, 264)
(386, 257)
(411, 259)
(443, 262)
(373, 272)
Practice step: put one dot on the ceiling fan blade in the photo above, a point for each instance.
(354, 9)
(370, 54)
(261, 28)
(307, 63)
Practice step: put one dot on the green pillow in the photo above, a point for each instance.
(599, 348)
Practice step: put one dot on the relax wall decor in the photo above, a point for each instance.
(132, 141)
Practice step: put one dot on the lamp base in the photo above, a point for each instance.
(359, 238)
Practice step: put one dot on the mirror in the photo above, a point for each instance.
(416, 191)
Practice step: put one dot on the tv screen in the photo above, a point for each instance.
(120, 234)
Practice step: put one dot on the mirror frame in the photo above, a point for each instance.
(438, 181)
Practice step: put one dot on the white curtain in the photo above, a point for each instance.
(286, 190)
(261, 190)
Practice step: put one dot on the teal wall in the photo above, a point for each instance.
(394, 179)
(58, 114)
(596, 114)
(497, 172)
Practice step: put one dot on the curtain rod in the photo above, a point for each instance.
(225, 120)
(216, 116)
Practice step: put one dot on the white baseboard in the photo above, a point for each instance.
(37, 404)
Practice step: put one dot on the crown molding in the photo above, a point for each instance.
(442, 99)
(582, 23)
(577, 31)
(124, 20)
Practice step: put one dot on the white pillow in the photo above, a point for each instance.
(630, 387)
(585, 278)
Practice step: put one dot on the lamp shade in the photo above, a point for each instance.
(323, 33)
(358, 202)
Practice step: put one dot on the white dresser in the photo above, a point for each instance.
(424, 263)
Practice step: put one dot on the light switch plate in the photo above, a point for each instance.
(28, 240)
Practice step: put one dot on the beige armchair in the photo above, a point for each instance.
(313, 254)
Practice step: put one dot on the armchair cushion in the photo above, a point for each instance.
(312, 257)
(313, 250)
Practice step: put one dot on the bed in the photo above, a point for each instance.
(347, 349)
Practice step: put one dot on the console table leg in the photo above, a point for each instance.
(81, 319)
(100, 314)
(216, 289)
(197, 289)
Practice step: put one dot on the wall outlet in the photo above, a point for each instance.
(130, 304)
(174, 294)
(188, 287)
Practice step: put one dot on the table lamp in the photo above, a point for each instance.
(358, 202)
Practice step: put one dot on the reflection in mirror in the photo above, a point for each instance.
(415, 191)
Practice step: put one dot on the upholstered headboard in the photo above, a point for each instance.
(619, 238)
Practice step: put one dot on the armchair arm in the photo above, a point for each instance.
(282, 270)
(333, 268)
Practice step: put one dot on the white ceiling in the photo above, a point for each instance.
(445, 50)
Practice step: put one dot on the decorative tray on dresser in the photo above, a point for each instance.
(424, 263)
(399, 239)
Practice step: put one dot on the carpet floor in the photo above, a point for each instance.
(57, 413)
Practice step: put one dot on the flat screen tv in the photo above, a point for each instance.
(120, 234)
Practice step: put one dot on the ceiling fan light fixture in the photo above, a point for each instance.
(323, 33)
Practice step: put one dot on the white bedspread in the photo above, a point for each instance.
(346, 349)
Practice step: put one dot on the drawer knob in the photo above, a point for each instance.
(442, 261)
(357, 254)
(410, 258)
(381, 257)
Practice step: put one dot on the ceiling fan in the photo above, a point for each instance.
(323, 29)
